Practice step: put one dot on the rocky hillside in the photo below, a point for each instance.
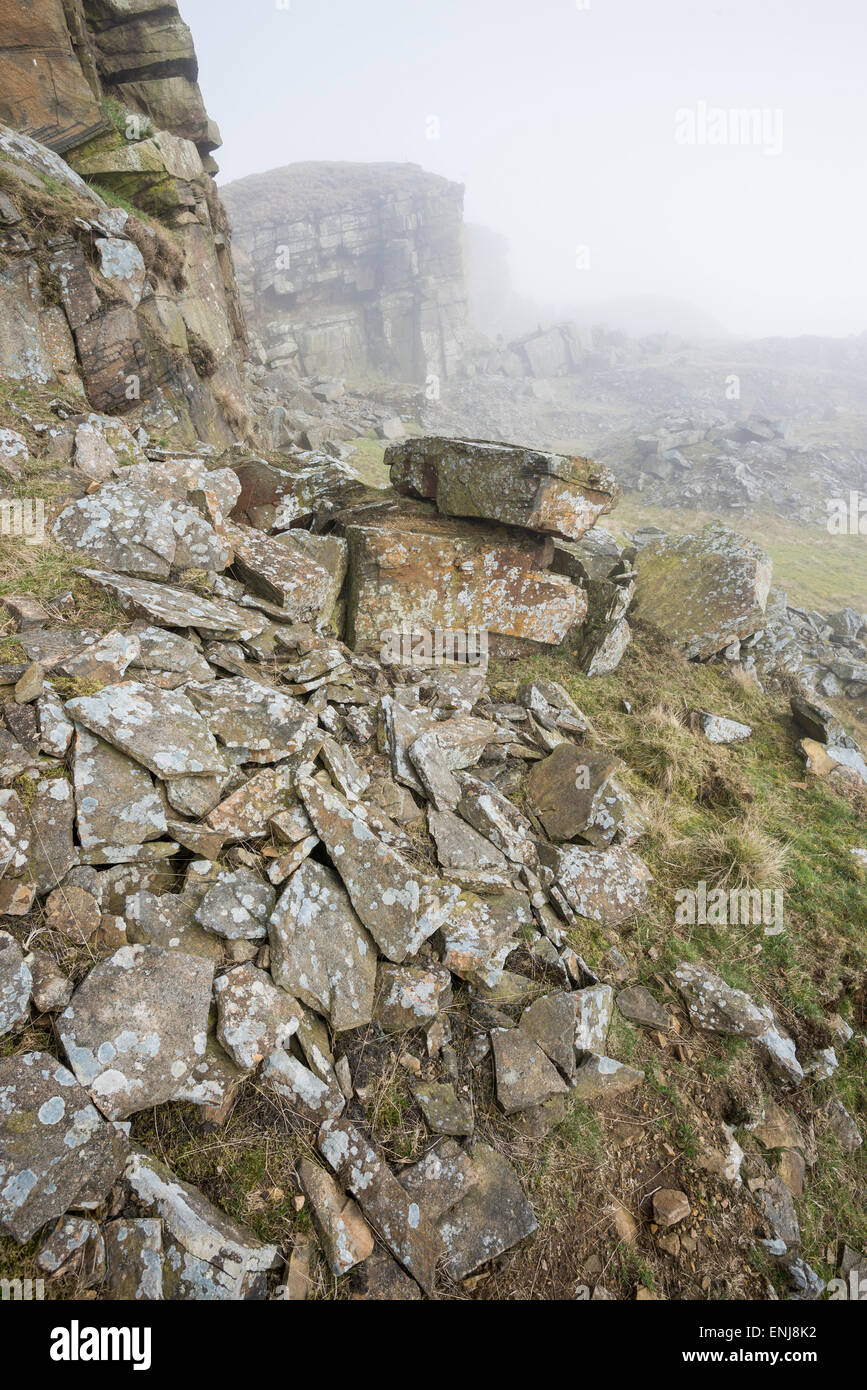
(353, 270)
(337, 962)
(116, 277)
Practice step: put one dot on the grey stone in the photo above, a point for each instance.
(253, 1016)
(493, 1216)
(238, 904)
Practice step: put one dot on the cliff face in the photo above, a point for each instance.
(353, 269)
(116, 276)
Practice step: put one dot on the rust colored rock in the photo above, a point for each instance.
(432, 574)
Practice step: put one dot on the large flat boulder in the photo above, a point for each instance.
(423, 573)
(505, 482)
(704, 591)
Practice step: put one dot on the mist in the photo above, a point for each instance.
(631, 154)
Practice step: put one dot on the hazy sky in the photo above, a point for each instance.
(597, 138)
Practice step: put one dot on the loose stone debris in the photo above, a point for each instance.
(285, 852)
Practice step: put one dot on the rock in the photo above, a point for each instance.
(237, 906)
(410, 573)
(51, 989)
(308, 1096)
(55, 730)
(396, 1219)
(134, 1254)
(575, 794)
(29, 686)
(50, 820)
(16, 899)
(717, 729)
(670, 1206)
(257, 719)
(599, 1077)
(16, 982)
(817, 721)
(835, 760)
(399, 906)
(443, 1109)
(344, 1235)
(493, 1216)
(160, 729)
(792, 1169)
(381, 1278)
(639, 1006)
(14, 835)
(705, 590)
(281, 571)
(56, 1151)
(73, 912)
(551, 1022)
(717, 1008)
(494, 816)
(129, 530)
(524, 1075)
(842, 1126)
(439, 1180)
(776, 1129)
(137, 1026)
(351, 780)
(778, 1050)
(480, 934)
(410, 996)
(167, 920)
(466, 855)
(505, 483)
(115, 799)
(774, 1201)
(76, 1241)
(607, 885)
(319, 949)
(253, 1016)
(170, 606)
(104, 661)
(245, 814)
(14, 453)
(298, 1276)
(166, 659)
(121, 263)
(94, 456)
(207, 1255)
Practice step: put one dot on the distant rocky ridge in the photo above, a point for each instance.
(353, 269)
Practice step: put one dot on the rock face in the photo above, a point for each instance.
(143, 315)
(353, 267)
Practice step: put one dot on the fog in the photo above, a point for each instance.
(609, 142)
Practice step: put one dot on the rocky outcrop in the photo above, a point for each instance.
(136, 311)
(353, 270)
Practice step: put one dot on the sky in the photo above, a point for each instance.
(605, 139)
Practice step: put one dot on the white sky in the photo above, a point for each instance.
(561, 123)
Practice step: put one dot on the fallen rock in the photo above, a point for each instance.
(440, 1179)
(56, 1151)
(319, 949)
(396, 1219)
(410, 996)
(159, 728)
(16, 983)
(705, 590)
(344, 1235)
(639, 1006)
(598, 1077)
(444, 1110)
(493, 1216)
(399, 906)
(134, 1259)
(307, 1094)
(717, 1008)
(253, 1016)
(718, 729)
(670, 1206)
(238, 905)
(137, 1026)
(206, 1255)
(607, 885)
(524, 1075)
